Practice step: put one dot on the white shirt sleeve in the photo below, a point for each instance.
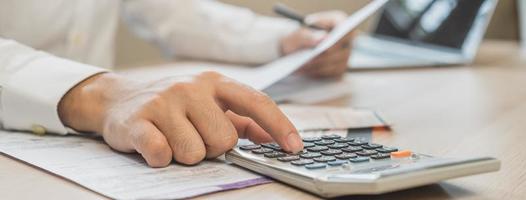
(208, 29)
(32, 83)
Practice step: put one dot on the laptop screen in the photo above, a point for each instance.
(439, 22)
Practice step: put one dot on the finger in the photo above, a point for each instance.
(247, 128)
(186, 143)
(327, 19)
(334, 67)
(344, 43)
(341, 54)
(258, 106)
(337, 71)
(148, 140)
(302, 39)
(216, 130)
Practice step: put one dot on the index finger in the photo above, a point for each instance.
(248, 102)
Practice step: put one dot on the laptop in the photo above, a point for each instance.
(417, 33)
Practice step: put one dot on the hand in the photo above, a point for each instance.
(187, 118)
(331, 63)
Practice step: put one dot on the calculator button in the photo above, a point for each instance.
(345, 156)
(302, 162)
(289, 158)
(324, 142)
(401, 154)
(359, 159)
(366, 152)
(331, 152)
(338, 145)
(310, 155)
(337, 162)
(372, 146)
(344, 140)
(357, 143)
(261, 151)
(330, 137)
(308, 145)
(300, 152)
(324, 159)
(386, 150)
(381, 156)
(249, 147)
(274, 154)
(316, 166)
(318, 148)
(352, 149)
(272, 146)
(311, 139)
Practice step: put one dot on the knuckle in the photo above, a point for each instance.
(182, 87)
(211, 75)
(156, 101)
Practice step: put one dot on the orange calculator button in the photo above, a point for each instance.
(401, 154)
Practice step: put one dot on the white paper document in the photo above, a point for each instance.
(313, 118)
(92, 164)
(303, 90)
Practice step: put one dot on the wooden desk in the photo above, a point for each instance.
(453, 111)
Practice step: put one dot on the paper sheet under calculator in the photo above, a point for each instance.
(92, 164)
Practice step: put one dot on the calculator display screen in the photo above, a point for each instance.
(439, 22)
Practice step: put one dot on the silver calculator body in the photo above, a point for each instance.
(373, 176)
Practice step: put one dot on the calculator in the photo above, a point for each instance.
(334, 165)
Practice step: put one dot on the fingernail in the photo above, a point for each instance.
(294, 142)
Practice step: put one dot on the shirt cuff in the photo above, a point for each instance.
(272, 30)
(31, 94)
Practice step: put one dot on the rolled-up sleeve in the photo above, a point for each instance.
(32, 83)
(208, 29)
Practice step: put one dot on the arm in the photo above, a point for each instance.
(183, 118)
(209, 30)
(32, 84)
(212, 30)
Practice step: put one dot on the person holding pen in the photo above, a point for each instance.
(54, 74)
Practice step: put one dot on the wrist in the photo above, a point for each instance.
(83, 107)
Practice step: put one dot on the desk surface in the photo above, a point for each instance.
(451, 111)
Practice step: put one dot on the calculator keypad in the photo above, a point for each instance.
(325, 151)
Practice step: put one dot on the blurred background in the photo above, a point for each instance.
(132, 51)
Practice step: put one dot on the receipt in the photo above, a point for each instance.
(92, 164)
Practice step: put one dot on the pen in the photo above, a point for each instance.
(283, 10)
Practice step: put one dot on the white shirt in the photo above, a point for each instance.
(46, 48)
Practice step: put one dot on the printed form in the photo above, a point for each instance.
(91, 163)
